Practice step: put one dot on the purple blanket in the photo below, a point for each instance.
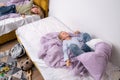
(12, 15)
(93, 62)
(17, 2)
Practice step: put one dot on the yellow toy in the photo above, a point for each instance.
(5, 69)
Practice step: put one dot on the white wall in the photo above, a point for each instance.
(98, 17)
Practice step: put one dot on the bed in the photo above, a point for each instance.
(8, 33)
(32, 44)
(11, 24)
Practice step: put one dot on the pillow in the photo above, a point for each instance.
(43, 4)
(92, 43)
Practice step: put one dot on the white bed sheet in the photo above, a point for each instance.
(30, 36)
(11, 24)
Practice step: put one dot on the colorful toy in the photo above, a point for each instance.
(5, 69)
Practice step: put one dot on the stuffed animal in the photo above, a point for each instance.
(26, 64)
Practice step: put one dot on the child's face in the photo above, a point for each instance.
(35, 10)
(64, 35)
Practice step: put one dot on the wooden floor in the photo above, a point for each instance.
(36, 74)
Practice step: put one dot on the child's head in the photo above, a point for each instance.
(37, 10)
(63, 35)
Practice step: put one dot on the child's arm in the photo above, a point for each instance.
(65, 51)
(23, 15)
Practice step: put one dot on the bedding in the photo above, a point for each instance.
(95, 62)
(11, 15)
(17, 2)
(10, 24)
(37, 30)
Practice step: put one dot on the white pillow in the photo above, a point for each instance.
(93, 42)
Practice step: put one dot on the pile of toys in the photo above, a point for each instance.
(9, 70)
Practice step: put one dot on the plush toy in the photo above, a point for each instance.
(26, 64)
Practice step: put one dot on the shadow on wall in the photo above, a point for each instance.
(115, 55)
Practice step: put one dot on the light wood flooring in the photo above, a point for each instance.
(35, 73)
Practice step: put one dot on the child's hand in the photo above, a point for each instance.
(23, 15)
(77, 32)
(68, 63)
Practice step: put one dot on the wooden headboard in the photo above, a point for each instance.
(43, 4)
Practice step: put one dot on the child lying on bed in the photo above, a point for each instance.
(74, 44)
(25, 9)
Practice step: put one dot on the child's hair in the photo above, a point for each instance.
(59, 36)
(42, 13)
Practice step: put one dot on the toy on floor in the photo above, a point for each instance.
(17, 51)
(26, 64)
(29, 74)
(19, 75)
(5, 69)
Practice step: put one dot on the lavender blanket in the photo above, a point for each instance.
(93, 62)
(11, 15)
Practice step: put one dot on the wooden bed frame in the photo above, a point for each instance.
(7, 37)
(10, 36)
(29, 57)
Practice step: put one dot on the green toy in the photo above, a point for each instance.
(2, 74)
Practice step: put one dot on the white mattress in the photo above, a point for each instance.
(11, 24)
(30, 35)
